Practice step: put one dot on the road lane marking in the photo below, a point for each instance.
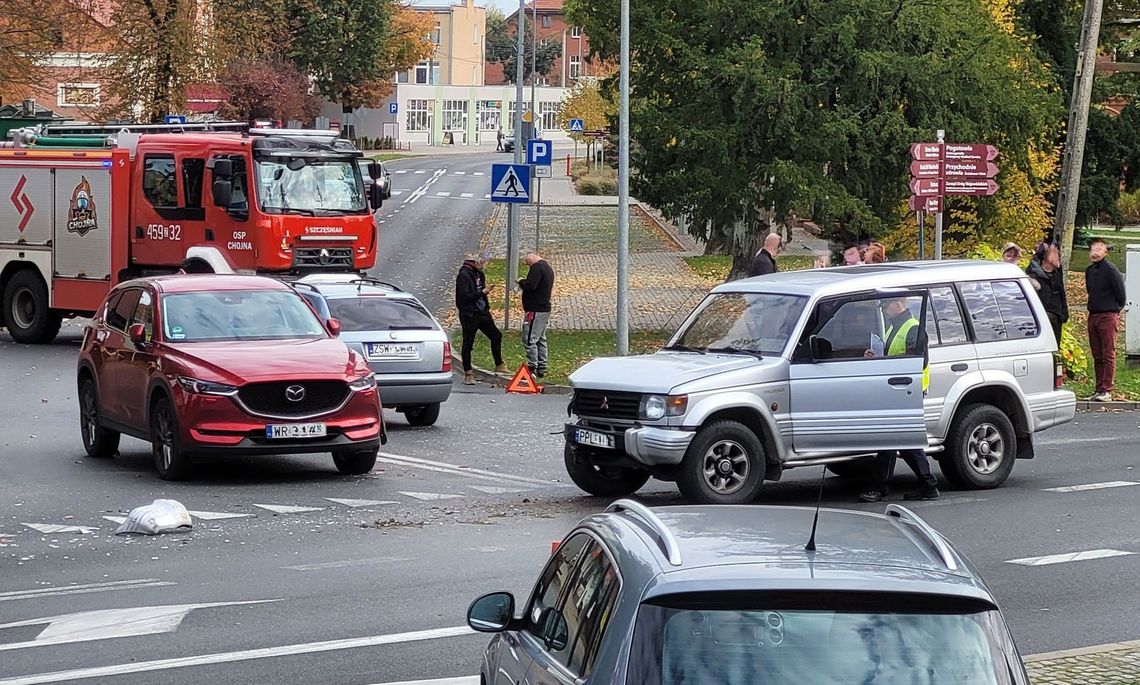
(397, 192)
(105, 624)
(459, 173)
(400, 171)
(116, 519)
(1070, 556)
(354, 503)
(491, 490)
(84, 589)
(50, 528)
(287, 508)
(421, 171)
(462, 680)
(443, 193)
(348, 562)
(467, 195)
(469, 472)
(242, 655)
(487, 197)
(1094, 486)
(430, 496)
(947, 501)
(477, 173)
(422, 190)
(217, 515)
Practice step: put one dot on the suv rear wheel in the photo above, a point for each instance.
(98, 442)
(724, 464)
(601, 481)
(982, 446)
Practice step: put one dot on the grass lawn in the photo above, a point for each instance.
(388, 156)
(1127, 378)
(1080, 258)
(568, 350)
(716, 267)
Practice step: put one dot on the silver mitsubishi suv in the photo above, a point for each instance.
(825, 367)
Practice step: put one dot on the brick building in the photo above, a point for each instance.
(552, 26)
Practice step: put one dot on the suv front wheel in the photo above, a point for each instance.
(981, 448)
(599, 480)
(725, 464)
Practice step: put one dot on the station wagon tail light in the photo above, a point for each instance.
(446, 357)
(1058, 371)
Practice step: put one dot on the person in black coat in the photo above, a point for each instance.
(475, 314)
(1049, 281)
(764, 262)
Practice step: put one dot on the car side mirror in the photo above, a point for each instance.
(223, 168)
(554, 631)
(820, 348)
(375, 194)
(223, 192)
(137, 334)
(491, 613)
(334, 327)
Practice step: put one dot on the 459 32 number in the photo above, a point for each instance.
(164, 231)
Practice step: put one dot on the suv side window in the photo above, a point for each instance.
(999, 311)
(846, 324)
(1015, 310)
(945, 327)
(983, 309)
(118, 317)
(554, 578)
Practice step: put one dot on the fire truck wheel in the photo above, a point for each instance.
(27, 309)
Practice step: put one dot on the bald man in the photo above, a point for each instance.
(765, 260)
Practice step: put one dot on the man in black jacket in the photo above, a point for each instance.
(475, 314)
(1047, 279)
(536, 289)
(1105, 287)
(764, 262)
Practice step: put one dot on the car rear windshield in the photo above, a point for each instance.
(238, 315)
(750, 323)
(379, 313)
(780, 646)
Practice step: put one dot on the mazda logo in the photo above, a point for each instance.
(605, 403)
(295, 393)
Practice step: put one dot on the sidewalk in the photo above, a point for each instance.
(1112, 664)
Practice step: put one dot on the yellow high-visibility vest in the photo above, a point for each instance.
(897, 347)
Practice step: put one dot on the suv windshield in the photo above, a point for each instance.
(697, 646)
(374, 313)
(320, 187)
(748, 323)
(238, 315)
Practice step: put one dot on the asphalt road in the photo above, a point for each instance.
(296, 574)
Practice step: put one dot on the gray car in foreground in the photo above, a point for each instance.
(728, 595)
(402, 342)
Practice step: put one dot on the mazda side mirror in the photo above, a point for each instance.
(223, 192)
(491, 613)
(137, 334)
(334, 327)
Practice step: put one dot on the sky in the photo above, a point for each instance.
(507, 6)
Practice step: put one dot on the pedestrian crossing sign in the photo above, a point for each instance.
(577, 125)
(510, 183)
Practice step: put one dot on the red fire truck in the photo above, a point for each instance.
(84, 208)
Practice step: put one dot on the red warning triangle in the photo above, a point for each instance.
(523, 383)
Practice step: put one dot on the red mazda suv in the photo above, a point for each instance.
(203, 365)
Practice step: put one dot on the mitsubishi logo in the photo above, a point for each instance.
(295, 393)
(605, 403)
(22, 203)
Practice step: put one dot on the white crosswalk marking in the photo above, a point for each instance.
(354, 503)
(1094, 486)
(478, 173)
(217, 515)
(459, 173)
(400, 171)
(421, 171)
(492, 490)
(443, 193)
(1070, 556)
(49, 528)
(116, 519)
(467, 195)
(430, 496)
(287, 508)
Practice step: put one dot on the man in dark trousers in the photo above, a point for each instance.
(764, 262)
(499, 139)
(1105, 287)
(1045, 275)
(536, 289)
(901, 339)
(475, 314)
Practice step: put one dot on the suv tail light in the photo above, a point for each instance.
(446, 357)
(1058, 371)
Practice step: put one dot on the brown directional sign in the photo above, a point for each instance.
(930, 204)
(969, 152)
(925, 169)
(926, 152)
(923, 187)
(969, 186)
(971, 169)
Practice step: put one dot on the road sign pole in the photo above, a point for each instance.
(512, 267)
(921, 235)
(938, 215)
(623, 190)
(537, 215)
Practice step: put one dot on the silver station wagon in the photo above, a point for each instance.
(806, 368)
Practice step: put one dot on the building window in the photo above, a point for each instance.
(435, 34)
(511, 113)
(545, 19)
(576, 32)
(575, 66)
(401, 77)
(77, 95)
(435, 74)
(454, 115)
(419, 115)
(549, 112)
(423, 72)
(490, 114)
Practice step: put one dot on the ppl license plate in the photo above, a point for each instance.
(593, 439)
(295, 430)
(392, 351)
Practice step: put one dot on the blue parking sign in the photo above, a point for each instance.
(538, 152)
(392, 108)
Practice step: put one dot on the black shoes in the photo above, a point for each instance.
(923, 494)
(872, 496)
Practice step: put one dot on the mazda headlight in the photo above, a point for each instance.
(206, 387)
(655, 407)
(361, 384)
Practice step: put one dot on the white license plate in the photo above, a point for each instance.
(295, 430)
(593, 439)
(393, 351)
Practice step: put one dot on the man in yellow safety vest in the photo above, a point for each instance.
(902, 338)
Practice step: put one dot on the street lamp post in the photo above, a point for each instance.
(512, 210)
(623, 190)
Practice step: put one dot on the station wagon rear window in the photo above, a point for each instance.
(749, 323)
(374, 313)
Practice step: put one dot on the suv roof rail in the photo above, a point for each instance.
(664, 537)
(900, 512)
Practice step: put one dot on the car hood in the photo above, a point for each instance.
(236, 362)
(657, 373)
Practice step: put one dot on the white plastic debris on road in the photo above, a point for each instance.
(160, 516)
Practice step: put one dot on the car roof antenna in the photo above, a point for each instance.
(810, 546)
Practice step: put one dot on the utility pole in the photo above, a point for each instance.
(938, 214)
(512, 269)
(534, 67)
(623, 190)
(1065, 219)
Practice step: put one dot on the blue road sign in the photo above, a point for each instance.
(510, 183)
(577, 125)
(393, 108)
(175, 119)
(538, 152)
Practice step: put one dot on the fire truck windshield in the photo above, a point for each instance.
(314, 187)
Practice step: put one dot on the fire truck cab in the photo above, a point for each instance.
(84, 210)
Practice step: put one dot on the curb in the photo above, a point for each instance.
(500, 380)
(1083, 405)
(1083, 651)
